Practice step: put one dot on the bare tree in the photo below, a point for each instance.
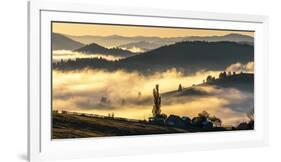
(251, 115)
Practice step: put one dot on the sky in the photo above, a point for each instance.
(78, 29)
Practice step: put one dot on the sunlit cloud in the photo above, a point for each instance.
(133, 49)
(239, 67)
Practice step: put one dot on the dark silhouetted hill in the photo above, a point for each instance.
(191, 56)
(97, 49)
(185, 56)
(242, 82)
(100, 127)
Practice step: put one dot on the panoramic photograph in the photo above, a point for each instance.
(123, 80)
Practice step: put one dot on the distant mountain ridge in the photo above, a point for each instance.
(61, 42)
(229, 37)
(119, 41)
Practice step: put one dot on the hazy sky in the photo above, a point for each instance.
(106, 30)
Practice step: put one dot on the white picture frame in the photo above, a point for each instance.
(40, 145)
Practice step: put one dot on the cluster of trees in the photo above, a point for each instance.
(81, 63)
(203, 120)
(210, 78)
(222, 75)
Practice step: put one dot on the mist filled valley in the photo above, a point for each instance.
(129, 94)
(167, 80)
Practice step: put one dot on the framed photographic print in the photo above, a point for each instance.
(107, 81)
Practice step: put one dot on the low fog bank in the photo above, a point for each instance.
(129, 94)
(59, 55)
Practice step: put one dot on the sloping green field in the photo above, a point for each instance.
(77, 126)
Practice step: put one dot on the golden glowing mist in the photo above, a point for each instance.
(66, 54)
(81, 91)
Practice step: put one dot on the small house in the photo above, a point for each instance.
(156, 120)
